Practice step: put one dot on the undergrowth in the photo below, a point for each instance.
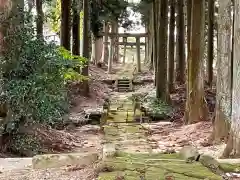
(33, 77)
(155, 105)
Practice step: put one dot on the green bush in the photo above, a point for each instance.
(33, 79)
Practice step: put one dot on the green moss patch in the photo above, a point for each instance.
(154, 166)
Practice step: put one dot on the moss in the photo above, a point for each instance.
(151, 165)
(230, 167)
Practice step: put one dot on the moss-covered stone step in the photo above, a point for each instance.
(155, 167)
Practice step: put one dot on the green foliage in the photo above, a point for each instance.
(54, 17)
(144, 8)
(157, 106)
(34, 76)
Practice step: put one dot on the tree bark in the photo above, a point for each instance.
(110, 58)
(98, 49)
(162, 85)
(223, 107)
(105, 53)
(171, 47)
(86, 44)
(196, 108)
(181, 43)
(40, 16)
(124, 50)
(189, 22)
(210, 42)
(233, 145)
(65, 23)
(155, 37)
(76, 29)
(138, 54)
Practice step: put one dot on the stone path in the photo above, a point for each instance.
(131, 154)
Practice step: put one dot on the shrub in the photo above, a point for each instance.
(33, 79)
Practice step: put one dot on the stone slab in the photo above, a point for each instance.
(60, 160)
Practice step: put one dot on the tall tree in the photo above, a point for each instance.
(171, 46)
(210, 41)
(233, 145)
(154, 36)
(76, 27)
(196, 108)
(223, 108)
(39, 4)
(189, 22)
(161, 83)
(105, 52)
(85, 44)
(181, 42)
(65, 23)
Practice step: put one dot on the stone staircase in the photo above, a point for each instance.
(124, 85)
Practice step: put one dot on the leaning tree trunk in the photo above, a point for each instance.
(196, 108)
(210, 42)
(181, 42)
(39, 4)
(171, 46)
(224, 73)
(65, 23)
(233, 145)
(162, 85)
(85, 44)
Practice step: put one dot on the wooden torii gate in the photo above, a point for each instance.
(115, 36)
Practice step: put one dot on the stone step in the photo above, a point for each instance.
(59, 160)
(124, 85)
(123, 79)
(123, 89)
(123, 82)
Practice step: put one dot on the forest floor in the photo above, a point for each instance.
(157, 137)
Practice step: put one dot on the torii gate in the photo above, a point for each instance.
(137, 36)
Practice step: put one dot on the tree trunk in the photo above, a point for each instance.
(110, 58)
(210, 42)
(98, 49)
(105, 53)
(189, 22)
(154, 36)
(85, 44)
(40, 17)
(233, 145)
(93, 53)
(181, 43)
(76, 29)
(150, 41)
(162, 85)
(115, 38)
(171, 47)
(196, 108)
(138, 54)
(65, 23)
(223, 108)
(124, 50)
